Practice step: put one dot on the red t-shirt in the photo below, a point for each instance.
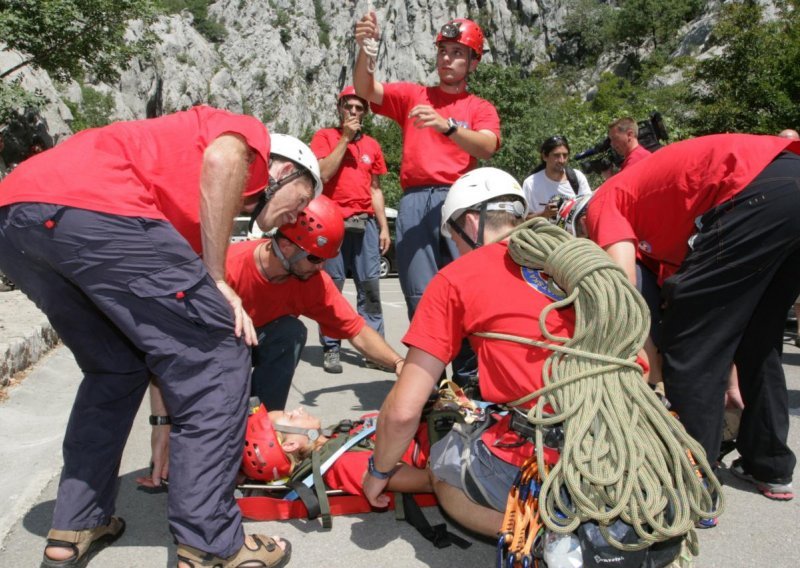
(316, 298)
(351, 187)
(142, 168)
(639, 153)
(656, 202)
(430, 158)
(347, 472)
(482, 291)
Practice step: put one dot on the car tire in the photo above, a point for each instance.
(385, 267)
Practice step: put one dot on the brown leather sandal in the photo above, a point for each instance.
(266, 554)
(84, 544)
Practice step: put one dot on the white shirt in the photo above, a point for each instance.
(540, 189)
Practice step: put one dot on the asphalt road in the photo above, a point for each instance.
(753, 532)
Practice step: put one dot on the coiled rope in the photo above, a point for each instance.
(625, 456)
(371, 46)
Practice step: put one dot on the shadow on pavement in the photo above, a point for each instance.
(145, 514)
(370, 395)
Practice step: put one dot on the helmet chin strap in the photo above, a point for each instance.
(269, 193)
(461, 233)
(288, 262)
(514, 207)
(311, 433)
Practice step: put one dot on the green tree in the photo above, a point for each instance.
(388, 134)
(94, 110)
(208, 26)
(654, 21)
(754, 84)
(68, 37)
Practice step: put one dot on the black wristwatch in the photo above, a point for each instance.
(451, 122)
(160, 420)
(380, 474)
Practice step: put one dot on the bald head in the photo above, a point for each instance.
(790, 134)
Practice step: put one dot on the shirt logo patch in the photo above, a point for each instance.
(644, 246)
(366, 159)
(541, 283)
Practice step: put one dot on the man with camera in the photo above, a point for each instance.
(623, 135)
(350, 164)
(552, 180)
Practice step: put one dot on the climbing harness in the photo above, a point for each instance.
(624, 456)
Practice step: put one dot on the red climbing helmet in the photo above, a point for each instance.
(319, 229)
(463, 31)
(349, 91)
(263, 458)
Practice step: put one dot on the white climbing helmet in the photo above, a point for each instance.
(293, 149)
(478, 186)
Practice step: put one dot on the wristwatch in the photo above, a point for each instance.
(160, 420)
(380, 474)
(451, 122)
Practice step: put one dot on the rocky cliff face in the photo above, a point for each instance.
(284, 60)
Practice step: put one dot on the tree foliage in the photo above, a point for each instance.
(68, 37)
(754, 84)
(208, 26)
(94, 109)
(592, 28)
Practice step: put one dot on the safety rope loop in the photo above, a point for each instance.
(624, 456)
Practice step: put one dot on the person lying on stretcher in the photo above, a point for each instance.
(277, 442)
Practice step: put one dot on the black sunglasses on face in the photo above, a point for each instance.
(314, 259)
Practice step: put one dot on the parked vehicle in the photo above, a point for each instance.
(240, 230)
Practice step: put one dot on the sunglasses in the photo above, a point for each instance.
(314, 259)
(560, 140)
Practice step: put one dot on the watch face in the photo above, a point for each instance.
(313, 435)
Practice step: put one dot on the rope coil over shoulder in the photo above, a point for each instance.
(625, 456)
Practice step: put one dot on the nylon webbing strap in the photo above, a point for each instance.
(367, 430)
(322, 495)
(438, 534)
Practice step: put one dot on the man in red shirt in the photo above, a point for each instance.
(715, 219)
(445, 131)
(460, 302)
(274, 295)
(350, 163)
(623, 134)
(103, 233)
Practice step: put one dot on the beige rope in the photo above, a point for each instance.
(625, 456)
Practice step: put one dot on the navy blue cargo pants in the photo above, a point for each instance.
(130, 298)
(728, 302)
(275, 359)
